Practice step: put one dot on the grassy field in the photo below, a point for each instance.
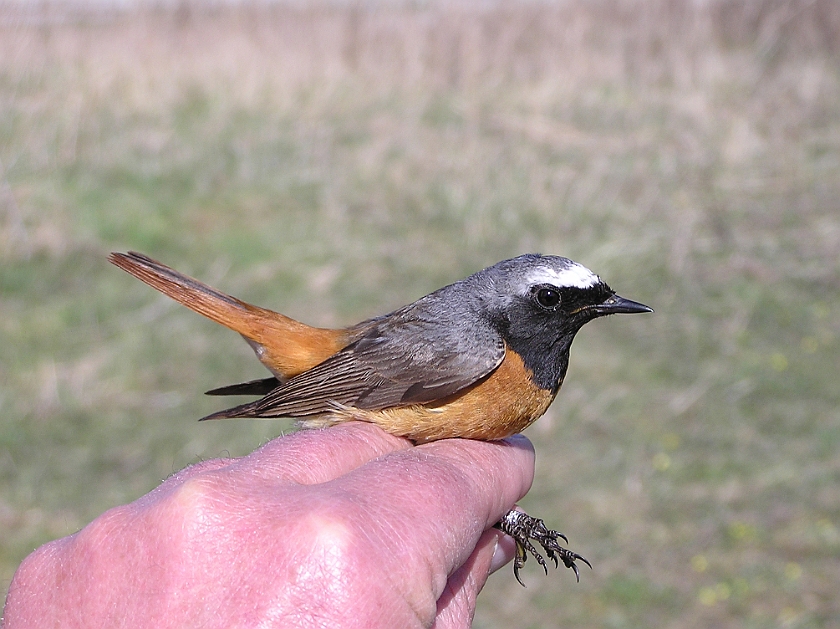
(335, 162)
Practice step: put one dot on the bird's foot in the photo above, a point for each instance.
(523, 529)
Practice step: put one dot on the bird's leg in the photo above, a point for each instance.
(523, 528)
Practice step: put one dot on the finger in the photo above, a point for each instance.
(504, 553)
(501, 471)
(429, 506)
(456, 606)
(315, 456)
(452, 479)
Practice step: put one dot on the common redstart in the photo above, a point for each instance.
(482, 358)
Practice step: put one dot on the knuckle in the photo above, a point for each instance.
(195, 508)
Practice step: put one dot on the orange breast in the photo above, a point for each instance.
(503, 404)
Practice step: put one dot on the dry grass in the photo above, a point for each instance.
(338, 161)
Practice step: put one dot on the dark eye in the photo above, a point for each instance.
(548, 298)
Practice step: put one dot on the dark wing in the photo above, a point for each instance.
(400, 360)
(252, 387)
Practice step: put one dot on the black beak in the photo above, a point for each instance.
(619, 305)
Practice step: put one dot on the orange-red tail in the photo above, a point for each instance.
(287, 347)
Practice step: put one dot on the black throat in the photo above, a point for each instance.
(547, 358)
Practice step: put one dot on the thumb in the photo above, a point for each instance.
(456, 605)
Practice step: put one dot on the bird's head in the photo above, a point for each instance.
(539, 303)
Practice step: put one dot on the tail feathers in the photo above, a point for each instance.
(243, 410)
(252, 387)
(287, 347)
(197, 296)
(250, 410)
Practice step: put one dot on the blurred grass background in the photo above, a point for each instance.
(335, 161)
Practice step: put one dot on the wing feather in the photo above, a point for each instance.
(399, 360)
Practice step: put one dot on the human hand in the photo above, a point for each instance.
(344, 527)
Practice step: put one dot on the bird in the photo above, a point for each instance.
(481, 358)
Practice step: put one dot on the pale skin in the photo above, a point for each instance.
(345, 527)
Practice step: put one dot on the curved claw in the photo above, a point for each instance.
(524, 528)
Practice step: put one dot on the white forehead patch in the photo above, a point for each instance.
(575, 275)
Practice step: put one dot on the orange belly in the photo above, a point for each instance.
(503, 404)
